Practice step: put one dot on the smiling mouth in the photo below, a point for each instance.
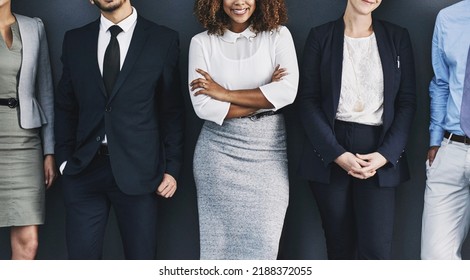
(240, 11)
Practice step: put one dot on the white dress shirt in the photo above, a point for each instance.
(240, 61)
(124, 38)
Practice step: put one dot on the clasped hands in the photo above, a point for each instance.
(361, 166)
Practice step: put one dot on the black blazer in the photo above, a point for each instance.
(319, 92)
(142, 118)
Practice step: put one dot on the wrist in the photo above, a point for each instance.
(228, 96)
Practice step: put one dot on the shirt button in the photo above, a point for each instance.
(98, 139)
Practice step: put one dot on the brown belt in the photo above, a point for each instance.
(457, 138)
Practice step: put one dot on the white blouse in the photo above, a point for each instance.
(362, 83)
(240, 61)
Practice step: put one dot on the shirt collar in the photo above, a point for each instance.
(125, 24)
(231, 37)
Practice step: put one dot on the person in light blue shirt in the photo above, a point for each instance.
(446, 215)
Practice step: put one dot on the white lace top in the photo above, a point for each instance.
(362, 84)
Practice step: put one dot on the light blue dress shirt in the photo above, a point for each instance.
(450, 44)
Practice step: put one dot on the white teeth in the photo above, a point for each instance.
(239, 12)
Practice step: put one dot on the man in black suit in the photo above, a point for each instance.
(119, 128)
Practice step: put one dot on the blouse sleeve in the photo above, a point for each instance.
(204, 106)
(283, 92)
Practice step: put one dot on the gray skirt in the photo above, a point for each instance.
(22, 188)
(240, 170)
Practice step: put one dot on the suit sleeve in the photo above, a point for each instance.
(66, 109)
(45, 90)
(405, 105)
(172, 110)
(309, 103)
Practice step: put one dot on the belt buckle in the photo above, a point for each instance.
(12, 102)
(260, 115)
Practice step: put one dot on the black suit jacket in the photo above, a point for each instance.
(142, 118)
(319, 92)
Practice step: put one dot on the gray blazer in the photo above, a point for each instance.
(35, 89)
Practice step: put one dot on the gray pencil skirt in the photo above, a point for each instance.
(22, 187)
(241, 176)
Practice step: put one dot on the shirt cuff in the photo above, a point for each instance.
(62, 167)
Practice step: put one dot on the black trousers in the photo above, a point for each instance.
(357, 215)
(88, 198)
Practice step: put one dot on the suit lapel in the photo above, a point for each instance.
(337, 62)
(137, 43)
(388, 67)
(91, 47)
(26, 31)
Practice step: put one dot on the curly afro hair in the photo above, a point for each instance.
(268, 15)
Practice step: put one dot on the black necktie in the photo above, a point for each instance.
(112, 61)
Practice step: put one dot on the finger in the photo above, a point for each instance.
(195, 81)
(198, 86)
(363, 157)
(356, 175)
(369, 169)
(355, 169)
(168, 190)
(165, 184)
(52, 177)
(431, 159)
(204, 74)
(161, 187)
(200, 92)
(362, 162)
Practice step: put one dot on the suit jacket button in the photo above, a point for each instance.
(98, 139)
(108, 109)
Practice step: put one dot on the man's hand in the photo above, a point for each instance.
(167, 187)
(432, 152)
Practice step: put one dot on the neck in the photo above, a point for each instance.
(6, 16)
(120, 14)
(356, 25)
(239, 27)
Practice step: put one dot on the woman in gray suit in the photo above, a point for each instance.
(27, 164)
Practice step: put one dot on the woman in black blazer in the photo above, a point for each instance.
(356, 102)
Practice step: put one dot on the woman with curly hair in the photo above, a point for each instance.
(243, 69)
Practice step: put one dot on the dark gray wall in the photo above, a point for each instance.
(303, 237)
